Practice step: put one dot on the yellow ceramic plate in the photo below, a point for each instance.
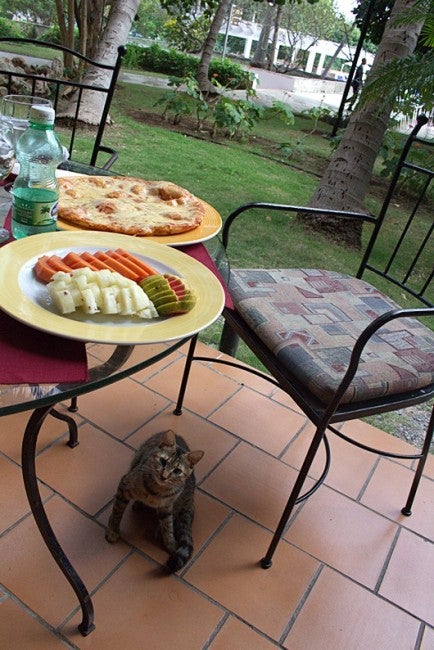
(210, 226)
(26, 299)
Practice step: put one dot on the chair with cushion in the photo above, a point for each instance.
(340, 345)
(44, 75)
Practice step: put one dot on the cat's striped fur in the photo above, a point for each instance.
(161, 476)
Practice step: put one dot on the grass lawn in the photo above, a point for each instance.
(227, 174)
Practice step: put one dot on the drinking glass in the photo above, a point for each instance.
(7, 161)
(16, 108)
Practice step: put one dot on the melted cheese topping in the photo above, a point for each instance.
(128, 205)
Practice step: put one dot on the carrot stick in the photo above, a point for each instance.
(94, 262)
(43, 271)
(149, 269)
(76, 261)
(58, 264)
(132, 266)
(114, 260)
(115, 265)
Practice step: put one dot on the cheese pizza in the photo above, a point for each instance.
(130, 206)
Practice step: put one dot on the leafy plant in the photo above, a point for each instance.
(186, 37)
(282, 111)
(410, 182)
(292, 149)
(317, 113)
(236, 116)
(184, 98)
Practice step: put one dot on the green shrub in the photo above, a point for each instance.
(9, 28)
(186, 34)
(235, 117)
(168, 62)
(229, 74)
(52, 35)
(133, 56)
(172, 62)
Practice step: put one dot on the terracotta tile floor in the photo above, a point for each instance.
(351, 571)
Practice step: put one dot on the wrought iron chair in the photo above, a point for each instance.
(339, 346)
(46, 78)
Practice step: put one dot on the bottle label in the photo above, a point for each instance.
(34, 213)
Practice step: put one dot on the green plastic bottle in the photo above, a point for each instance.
(35, 194)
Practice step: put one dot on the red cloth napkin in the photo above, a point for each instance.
(200, 253)
(28, 356)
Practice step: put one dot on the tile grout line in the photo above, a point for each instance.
(34, 615)
(216, 630)
(301, 603)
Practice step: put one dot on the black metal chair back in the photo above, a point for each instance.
(409, 248)
(45, 79)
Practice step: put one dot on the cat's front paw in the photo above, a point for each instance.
(111, 535)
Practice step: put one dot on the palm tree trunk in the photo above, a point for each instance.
(345, 182)
(260, 56)
(275, 42)
(202, 76)
(115, 34)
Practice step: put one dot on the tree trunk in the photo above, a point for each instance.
(94, 25)
(260, 56)
(345, 41)
(114, 35)
(202, 76)
(81, 19)
(346, 180)
(65, 27)
(275, 42)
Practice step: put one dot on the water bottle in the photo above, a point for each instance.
(35, 192)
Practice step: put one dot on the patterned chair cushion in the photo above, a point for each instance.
(311, 319)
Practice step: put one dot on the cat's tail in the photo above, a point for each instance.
(179, 557)
(184, 550)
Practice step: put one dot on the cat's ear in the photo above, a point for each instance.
(194, 457)
(168, 439)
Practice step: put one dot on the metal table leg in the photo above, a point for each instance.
(28, 452)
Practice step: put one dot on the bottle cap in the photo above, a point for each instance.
(41, 114)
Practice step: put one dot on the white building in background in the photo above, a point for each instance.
(317, 50)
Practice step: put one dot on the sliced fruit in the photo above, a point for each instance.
(146, 269)
(103, 291)
(121, 261)
(169, 294)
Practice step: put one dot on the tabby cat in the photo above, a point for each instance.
(161, 476)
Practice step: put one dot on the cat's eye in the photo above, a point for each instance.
(177, 471)
(163, 461)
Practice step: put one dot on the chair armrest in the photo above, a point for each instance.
(363, 340)
(113, 156)
(282, 207)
